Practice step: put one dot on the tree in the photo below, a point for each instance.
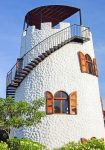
(15, 114)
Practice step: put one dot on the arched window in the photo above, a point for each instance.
(89, 64)
(61, 102)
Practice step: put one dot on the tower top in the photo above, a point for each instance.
(50, 13)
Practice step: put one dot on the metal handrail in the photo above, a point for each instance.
(52, 40)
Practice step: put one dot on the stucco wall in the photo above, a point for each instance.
(33, 36)
(61, 71)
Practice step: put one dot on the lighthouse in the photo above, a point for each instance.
(57, 62)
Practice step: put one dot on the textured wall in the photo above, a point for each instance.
(33, 36)
(61, 71)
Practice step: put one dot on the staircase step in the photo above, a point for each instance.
(45, 54)
(48, 52)
(11, 87)
(14, 84)
(24, 72)
(52, 50)
(10, 93)
(28, 67)
(17, 81)
(66, 41)
(42, 57)
(11, 90)
(35, 61)
(21, 75)
(62, 43)
(19, 78)
(59, 45)
(32, 64)
(38, 59)
(55, 47)
(69, 40)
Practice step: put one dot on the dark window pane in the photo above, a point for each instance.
(65, 106)
(57, 95)
(56, 106)
(64, 95)
(90, 68)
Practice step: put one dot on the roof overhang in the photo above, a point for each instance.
(50, 13)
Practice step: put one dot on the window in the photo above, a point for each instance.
(61, 102)
(89, 64)
(82, 60)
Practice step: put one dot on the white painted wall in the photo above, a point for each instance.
(33, 36)
(61, 71)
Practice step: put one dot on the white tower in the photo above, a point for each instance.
(58, 64)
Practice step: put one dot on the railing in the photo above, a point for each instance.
(53, 40)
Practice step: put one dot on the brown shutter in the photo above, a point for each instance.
(102, 106)
(73, 103)
(83, 65)
(95, 67)
(19, 64)
(49, 103)
(83, 140)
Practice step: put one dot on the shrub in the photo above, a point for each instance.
(24, 144)
(3, 146)
(93, 144)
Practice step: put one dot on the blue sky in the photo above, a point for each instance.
(12, 14)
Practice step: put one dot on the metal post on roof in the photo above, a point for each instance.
(40, 18)
(24, 25)
(80, 14)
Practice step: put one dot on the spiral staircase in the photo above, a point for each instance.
(24, 65)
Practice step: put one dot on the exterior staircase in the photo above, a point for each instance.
(17, 74)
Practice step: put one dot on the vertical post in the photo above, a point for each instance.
(80, 14)
(41, 19)
(24, 25)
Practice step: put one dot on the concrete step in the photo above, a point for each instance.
(35, 61)
(10, 93)
(24, 72)
(42, 57)
(17, 81)
(48, 52)
(62, 43)
(45, 54)
(55, 47)
(19, 78)
(59, 45)
(32, 64)
(38, 59)
(29, 66)
(52, 50)
(66, 41)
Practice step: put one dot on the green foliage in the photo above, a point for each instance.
(24, 144)
(36, 114)
(3, 146)
(94, 144)
(15, 114)
(2, 112)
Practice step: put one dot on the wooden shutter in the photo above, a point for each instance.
(83, 140)
(49, 103)
(19, 64)
(83, 65)
(95, 67)
(73, 103)
(102, 106)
